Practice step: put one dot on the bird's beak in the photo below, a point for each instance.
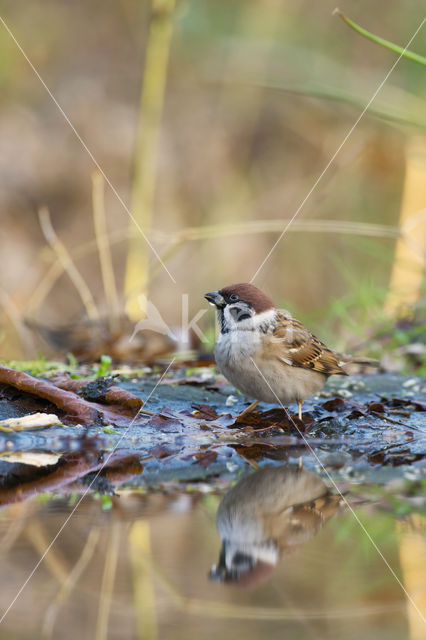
(216, 299)
(218, 571)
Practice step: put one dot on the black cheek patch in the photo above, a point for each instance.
(239, 313)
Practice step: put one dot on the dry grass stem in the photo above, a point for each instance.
(104, 251)
(67, 263)
(15, 316)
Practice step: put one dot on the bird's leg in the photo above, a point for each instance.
(299, 404)
(249, 409)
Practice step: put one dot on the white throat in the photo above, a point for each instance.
(258, 321)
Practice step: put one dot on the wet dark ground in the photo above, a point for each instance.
(327, 543)
(362, 428)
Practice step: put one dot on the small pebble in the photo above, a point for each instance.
(231, 400)
(410, 383)
(231, 466)
(344, 393)
(412, 474)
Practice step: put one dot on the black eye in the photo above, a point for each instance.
(234, 297)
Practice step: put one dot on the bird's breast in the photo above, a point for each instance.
(241, 358)
(234, 348)
(235, 352)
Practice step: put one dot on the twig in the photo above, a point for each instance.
(64, 400)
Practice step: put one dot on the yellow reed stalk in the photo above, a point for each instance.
(408, 267)
(104, 251)
(151, 104)
(67, 263)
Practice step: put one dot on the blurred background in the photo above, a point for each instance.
(212, 121)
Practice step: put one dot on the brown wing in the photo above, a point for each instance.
(300, 348)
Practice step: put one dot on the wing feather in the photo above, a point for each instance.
(298, 347)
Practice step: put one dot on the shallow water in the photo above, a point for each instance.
(137, 565)
(169, 530)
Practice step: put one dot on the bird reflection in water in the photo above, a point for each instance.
(267, 514)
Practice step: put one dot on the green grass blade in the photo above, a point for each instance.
(384, 43)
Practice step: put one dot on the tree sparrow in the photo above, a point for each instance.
(267, 514)
(267, 354)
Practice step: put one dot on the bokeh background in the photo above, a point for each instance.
(212, 120)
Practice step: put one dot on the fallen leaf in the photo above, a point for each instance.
(33, 458)
(32, 421)
(204, 411)
(377, 407)
(163, 451)
(337, 404)
(204, 458)
(274, 418)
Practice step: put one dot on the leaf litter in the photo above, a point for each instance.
(190, 433)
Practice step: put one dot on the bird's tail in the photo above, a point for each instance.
(357, 364)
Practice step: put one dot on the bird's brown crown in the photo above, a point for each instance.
(249, 293)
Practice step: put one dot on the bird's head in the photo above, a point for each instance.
(244, 567)
(240, 306)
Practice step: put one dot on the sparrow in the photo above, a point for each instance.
(266, 353)
(266, 514)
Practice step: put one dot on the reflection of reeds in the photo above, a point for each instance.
(67, 263)
(231, 611)
(151, 104)
(108, 580)
(412, 554)
(71, 581)
(143, 587)
(20, 513)
(54, 560)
